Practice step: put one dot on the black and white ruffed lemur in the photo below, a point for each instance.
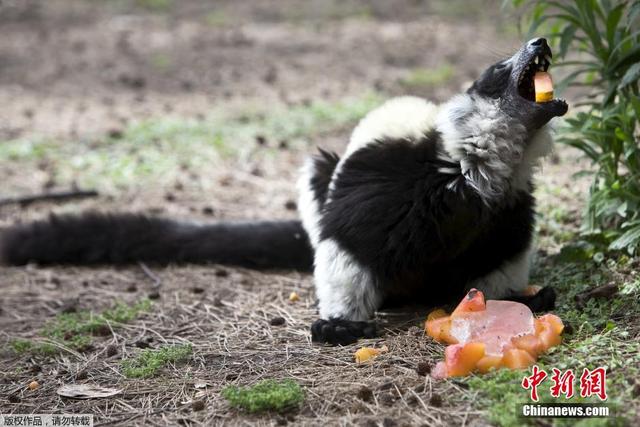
(426, 202)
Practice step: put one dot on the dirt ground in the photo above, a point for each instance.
(79, 72)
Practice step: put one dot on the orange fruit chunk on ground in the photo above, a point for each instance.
(491, 335)
(366, 353)
(462, 359)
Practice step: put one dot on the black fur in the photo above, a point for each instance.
(341, 332)
(392, 212)
(544, 300)
(324, 165)
(95, 238)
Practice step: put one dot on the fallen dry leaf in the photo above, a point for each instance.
(86, 391)
(604, 291)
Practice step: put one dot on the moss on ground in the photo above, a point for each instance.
(75, 331)
(267, 395)
(147, 363)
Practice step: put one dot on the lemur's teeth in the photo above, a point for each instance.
(547, 58)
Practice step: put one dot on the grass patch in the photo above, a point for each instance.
(429, 77)
(147, 362)
(157, 5)
(267, 395)
(76, 330)
(22, 346)
(217, 18)
(155, 150)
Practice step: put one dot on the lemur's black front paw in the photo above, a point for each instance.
(341, 332)
(544, 300)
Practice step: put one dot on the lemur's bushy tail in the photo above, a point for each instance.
(95, 238)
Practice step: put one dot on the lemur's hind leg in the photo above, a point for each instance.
(510, 282)
(348, 296)
(346, 292)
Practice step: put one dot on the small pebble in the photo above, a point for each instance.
(198, 405)
(423, 369)
(636, 391)
(387, 399)
(277, 321)
(144, 342)
(436, 400)
(115, 133)
(386, 386)
(112, 350)
(415, 331)
(389, 422)
(365, 394)
(222, 273)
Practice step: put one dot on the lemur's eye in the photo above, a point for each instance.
(500, 67)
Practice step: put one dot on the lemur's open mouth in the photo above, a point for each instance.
(526, 88)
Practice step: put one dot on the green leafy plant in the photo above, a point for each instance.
(599, 40)
(267, 395)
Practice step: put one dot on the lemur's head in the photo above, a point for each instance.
(511, 83)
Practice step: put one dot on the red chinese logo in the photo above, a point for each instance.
(562, 383)
(592, 383)
(534, 381)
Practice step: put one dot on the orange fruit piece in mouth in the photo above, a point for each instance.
(544, 86)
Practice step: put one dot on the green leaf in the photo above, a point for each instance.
(610, 95)
(631, 76)
(537, 19)
(612, 23)
(583, 146)
(635, 101)
(570, 79)
(606, 6)
(628, 238)
(570, 10)
(629, 57)
(565, 39)
(634, 12)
